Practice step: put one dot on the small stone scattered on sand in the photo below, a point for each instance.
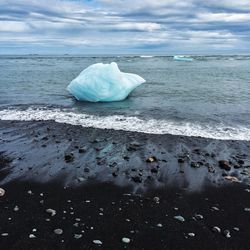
(81, 179)
(78, 236)
(247, 209)
(125, 240)
(227, 233)
(58, 231)
(51, 211)
(69, 157)
(156, 199)
(224, 165)
(216, 229)
(151, 159)
(4, 234)
(198, 216)
(97, 242)
(215, 208)
(32, 236)
(2, 192)
(16, 208)
(191, 234)
(179, 218)
(232, 178)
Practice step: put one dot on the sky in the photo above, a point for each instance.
(124, 26)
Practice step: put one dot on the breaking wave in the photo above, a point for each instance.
(132, 123)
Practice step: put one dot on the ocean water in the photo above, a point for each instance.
(209, 97)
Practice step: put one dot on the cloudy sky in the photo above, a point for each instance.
(124, 26)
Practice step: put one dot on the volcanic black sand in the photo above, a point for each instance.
(68, 187)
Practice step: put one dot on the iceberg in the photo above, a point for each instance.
(183, 58)
(103, 83)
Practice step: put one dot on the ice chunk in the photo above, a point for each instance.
(183, 58)
(103, 83)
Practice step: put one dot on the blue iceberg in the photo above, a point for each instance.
(183, 58)
(103, 83)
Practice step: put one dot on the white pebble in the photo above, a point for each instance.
(4, 234)
(159, 225)
(32, 236)
(51, 211)
(16, 208)
(216, 229)
(125, 240)
(191, 234)
(58, 231)
(78, 236)
(2, 192)
(97, 242)
(179, 218)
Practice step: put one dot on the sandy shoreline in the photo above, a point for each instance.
(97, 169)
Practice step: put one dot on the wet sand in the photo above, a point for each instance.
(106, 185)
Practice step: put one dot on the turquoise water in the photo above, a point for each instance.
(212, 92)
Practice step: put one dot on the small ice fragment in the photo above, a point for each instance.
(183, 58)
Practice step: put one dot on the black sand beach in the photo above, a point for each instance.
(115, 189)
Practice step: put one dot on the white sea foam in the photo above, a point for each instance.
(119, 122)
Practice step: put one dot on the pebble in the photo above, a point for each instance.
(16, 208)
(224, 165)
(51, 211)
(179, 218)
(227, 233)
(125, 240)
(191, 234)
(236, 229)
(78, 236)
(159, 225)
(81, 179)
(30, 192)
(4, 234)
(2, 192)
(151, 159)
(247, 209)
(58, 231)
(215, 208)
(156, 199)
(97, 242)
(198, 216)
(247, 190)
(32, 236)
(216, 229)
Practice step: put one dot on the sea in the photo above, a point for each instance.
(208, 97)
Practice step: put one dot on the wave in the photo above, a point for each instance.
(146, 56)
(132, 123)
